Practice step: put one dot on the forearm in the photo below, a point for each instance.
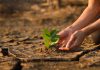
(92, 28)
(88, 16)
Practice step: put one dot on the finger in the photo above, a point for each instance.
(70, 42)
(63, 43)
(60, 33)
(60, 40)
(66, 40)
(64, 48)
(76, 44)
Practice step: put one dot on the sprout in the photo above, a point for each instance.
(50, 37)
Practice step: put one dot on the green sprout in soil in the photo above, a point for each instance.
(50, 37)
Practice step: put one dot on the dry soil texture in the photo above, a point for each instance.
(22, 47)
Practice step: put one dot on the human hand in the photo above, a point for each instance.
(65, 36)
(75, 40)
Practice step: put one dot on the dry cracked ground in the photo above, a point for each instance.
(22, 47)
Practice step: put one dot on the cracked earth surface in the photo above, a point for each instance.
(22, 48)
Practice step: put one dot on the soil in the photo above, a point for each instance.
(22, 47)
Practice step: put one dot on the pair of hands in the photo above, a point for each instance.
(70, 38)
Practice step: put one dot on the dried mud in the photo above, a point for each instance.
(22, 48)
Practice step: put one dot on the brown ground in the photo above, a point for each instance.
(22, 48)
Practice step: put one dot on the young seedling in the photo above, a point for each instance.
(50, 38)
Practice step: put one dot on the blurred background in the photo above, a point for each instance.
(33, 15)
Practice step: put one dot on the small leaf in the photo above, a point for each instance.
(53, 32)
(50, 38)
(46, 31)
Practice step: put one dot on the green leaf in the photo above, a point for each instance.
(53, 32)
(50, 38)
(46, 32)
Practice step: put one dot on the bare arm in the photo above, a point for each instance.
(88, 16)
(74, 35)
(77, 37)
(92, 28)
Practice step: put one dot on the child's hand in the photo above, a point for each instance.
(74, 40)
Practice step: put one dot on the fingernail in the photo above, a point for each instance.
(63, 48)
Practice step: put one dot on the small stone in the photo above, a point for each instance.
(5, 51)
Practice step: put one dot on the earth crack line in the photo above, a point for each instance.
(77, 58)
(56, 59)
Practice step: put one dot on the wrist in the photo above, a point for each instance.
(86, 33)
(73, 28)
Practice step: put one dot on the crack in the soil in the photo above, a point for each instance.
(77, 58)
(17, 66)
(5, 51)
